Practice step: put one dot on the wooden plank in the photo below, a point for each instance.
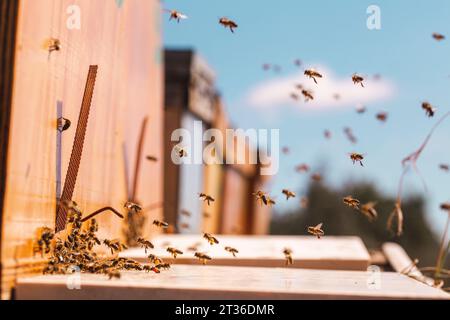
(217, 282)
(337, 253)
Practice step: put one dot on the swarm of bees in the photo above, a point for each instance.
(429, 109)
(357, 157)
(207, 198)
(316, 230)
(357, 79)
(288, 194)
(227, 23)
(211, 240)
(288, 257)
(232, 250)
(312, 74)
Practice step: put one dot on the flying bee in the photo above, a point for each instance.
(285, 150)
(111, 273)
(185, 213)
(294, 96)
(382, 116)
(270, 202)
(360, 108)
(298, 62)
(444, 167)
(429, 109)
(181, 152)
(206, 215)
(184, 226)
(175, 15)
(336, 96)
(349, 134)
(212, 240)
(307, 94)
(351, 202)
(52, 44)
(288, 256)
(317, 177)
(131, 206)
(327, 134)
(160, 224)
(207, 198)
(438, 36)
(145, 244)
(445, 206)
(357, 79)
(151, 158)
(63, 124)
(288, 194)
(316, 231)
(202, 257)
(312, 74)
(174, 252)
(260, 196)
(154, 259)
(164, 266)
(231, 250)
(114, 245)
(227, 23)
(302, 168)
(266, 66)
(368, 209)
(357, 157)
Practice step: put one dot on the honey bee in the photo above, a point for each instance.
(445, 206)
(115, 245)
(63, 124)
(438, 36)
(382, 116)
(111, 273)
(288, 256)
(307, 94)
(151, 158)
(145, 244)
(164, 266)
(304, 202)
(357, 79)
(161, 224)
(181, 151)
(285, 150)
(361, 108)
(316, 231)
(212, 240)
(368, 209)
(207, 198)
(302, 168)
(185, 213)
(349, 134)
(357, 157)
(294, 96)
(266, 66)
(174, 252)
(149, 268)
(429, 109)
(154, 259)
(227, 23)
(202, 257)
(131, 206)
(351, 202)
(444, 167)
(298, 62)
(43, 244)
(184, 226)
(336, 96)
(327, 134)
(232, 250)
(317, 177)
(206, 215)
(52, 44)
(312, 74)
(288, 194)
(270, 202)
(260, 196)
(175, 15)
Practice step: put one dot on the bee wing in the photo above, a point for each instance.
(182, 16)
(319, 226)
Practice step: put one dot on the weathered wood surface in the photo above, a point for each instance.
(217, 282)
(339, 253)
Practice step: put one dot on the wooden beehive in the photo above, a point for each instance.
(124, 42)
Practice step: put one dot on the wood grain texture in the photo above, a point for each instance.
(212, 282)
(125, 44)
(339, 253)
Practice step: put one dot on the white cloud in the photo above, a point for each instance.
(277, 92)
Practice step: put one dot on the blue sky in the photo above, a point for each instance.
(334, 34)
